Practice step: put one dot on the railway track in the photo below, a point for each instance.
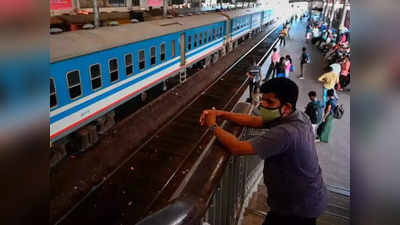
(146, 180)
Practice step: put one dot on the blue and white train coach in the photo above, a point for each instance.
(94, 71)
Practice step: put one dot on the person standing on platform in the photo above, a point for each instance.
(254, 75)
(282, 37)
(329, 79)
(336, 68)
(297, 194)
(288, 30)
(288, 66)
(304, 59)
(325, 128)
(281, 67)
(314, 110)
(274, 61)
(344, 78)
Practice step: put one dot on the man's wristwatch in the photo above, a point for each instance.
(212, 128)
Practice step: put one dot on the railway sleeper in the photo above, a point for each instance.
(58, 151)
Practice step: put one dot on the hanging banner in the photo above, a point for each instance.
(156, 3)
(60, 4)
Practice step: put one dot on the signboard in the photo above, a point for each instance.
(156, 3)
(60, 4)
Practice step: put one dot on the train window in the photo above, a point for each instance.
(172, 48)
(213, 33)
(113, 66)
(162, 52)
(53, 94)
(195, 41)
(189, 42)
(209, 35)
(220, 31)
(142, 60)
(95, 76)
(128, 64)
(205, 37)
(201, 39)
(74, 84)
(152, 56)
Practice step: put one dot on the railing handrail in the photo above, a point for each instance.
(193, 201)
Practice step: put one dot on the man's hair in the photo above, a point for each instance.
(330, 93)
(312, 94)
(328, 69)
(304, 49)
(274, 49)
(284, 89)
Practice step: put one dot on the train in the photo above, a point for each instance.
(94, 71)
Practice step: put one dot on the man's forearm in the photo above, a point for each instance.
(243, 119)
(234, 145)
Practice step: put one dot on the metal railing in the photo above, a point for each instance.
(217, 187)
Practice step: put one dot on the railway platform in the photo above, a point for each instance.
(334, 157)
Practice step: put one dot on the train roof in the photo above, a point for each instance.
(242, 12)
(72, 44)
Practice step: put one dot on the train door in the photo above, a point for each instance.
(182, 45)
(262, 19)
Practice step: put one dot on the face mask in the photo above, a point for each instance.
(269, 115)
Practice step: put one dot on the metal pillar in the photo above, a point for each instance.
(344, 12)
(129, 4)
(332, 14)
(165, 8)
(76, 5)
(96, 14)
(328, 9)
(325, 7)
(143, 4)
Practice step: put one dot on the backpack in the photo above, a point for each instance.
(314, 111)
(308, 58)
(338, 112)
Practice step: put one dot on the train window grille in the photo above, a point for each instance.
(205, 37)
(201, 39)
(213, 33)
(172, 48)
(220, 31)
(74, 84)
(53, 94)
(195, 41)
(128, 64)
(162, 52)
(142, 60)
(152, 56)
(95, 76)
(113, 66)
(209, 36)
(189, 42)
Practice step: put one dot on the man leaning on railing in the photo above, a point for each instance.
(297, 194)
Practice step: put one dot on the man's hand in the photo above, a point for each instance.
(208, 117)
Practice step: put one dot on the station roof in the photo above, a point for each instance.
(82, 42)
